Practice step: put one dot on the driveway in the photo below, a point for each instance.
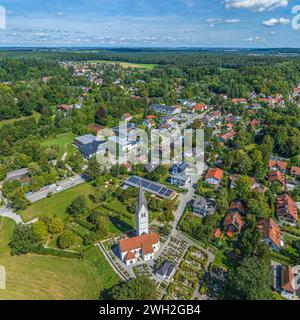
(7, 212)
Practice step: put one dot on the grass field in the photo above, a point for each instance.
(34, 277)
(12, 121)
(126, 64)
(57, 204)
(64, 141)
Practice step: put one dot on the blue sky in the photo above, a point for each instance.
(163, 23)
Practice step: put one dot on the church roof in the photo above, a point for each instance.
(141, 200)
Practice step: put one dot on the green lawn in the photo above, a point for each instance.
(57, 204)
(64, 141)
(33, 277)
(12, 121)
(126, 64)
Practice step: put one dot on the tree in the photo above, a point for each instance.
(243, 187)
(102, 226)
(55, 225)
(141, 288)
(250, 280)
(222, 201)
(23, 240)
(77, 207)
(94, 169)
(65, 240)
(40, 230)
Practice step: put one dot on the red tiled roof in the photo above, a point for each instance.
(138, 242)
(129, 256)
(280, 164)
(271, 230)
(199, 107)
(228, 135)
(218, 233)
(277, 176)
(238, 100)
(94, 127)
(285, 205)
(127, 115)
(295, 171)
(215, 173)
(237, 205)
(150, 116)
(254, 123)
(233, 219)
(288, 279)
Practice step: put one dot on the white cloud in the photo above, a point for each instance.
(274, 22)
(59, 14)
(189, 3)
(255, 39)
(256, 5)
(232, 21)
(212, 22)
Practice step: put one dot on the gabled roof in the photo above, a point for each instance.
(279, 164)
(237, 206)
(228, 135)
(285, 205)
(295, 171)
(214, 173)
(277, 176)
(129, 256)
(288, 279)
(271, 230)
(137, 242)
(233, 219)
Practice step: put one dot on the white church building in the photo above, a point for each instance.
(145, 244)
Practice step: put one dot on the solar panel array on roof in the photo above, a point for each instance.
(150, 186)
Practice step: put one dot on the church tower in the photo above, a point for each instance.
(141, 214)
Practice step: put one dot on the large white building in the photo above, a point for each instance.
(145, 244)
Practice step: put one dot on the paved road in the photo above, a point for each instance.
(65, 184)
(8, 213)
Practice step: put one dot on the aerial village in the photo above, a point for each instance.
(185, 229)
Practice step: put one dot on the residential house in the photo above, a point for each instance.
(160, 108)
(199, 107)
(237, 206)
(65, 107)
(270, 233)
(233, 223)
(21, 175)
(83, 140)
(295, 171)
(239, 100)
(286, 209)
(180, 180)
(127, 117)
(93, 148)
(218, 234)
(277, 165)
(214, 176)
(204, 207)
(277, 176)
(284, 280)
(227, 136)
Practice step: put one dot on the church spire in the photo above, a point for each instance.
(141, 199)
(142, 220)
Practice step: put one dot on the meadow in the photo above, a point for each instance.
(34, 277)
